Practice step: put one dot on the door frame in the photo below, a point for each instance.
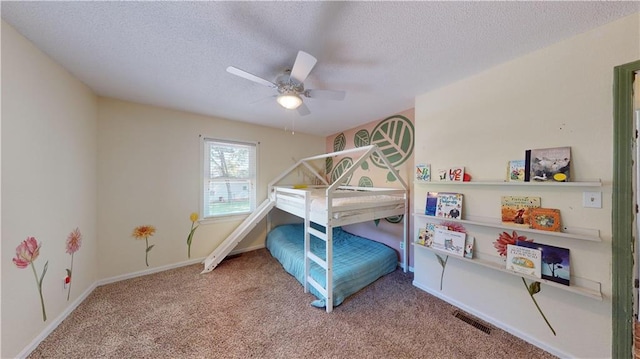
(623, 213)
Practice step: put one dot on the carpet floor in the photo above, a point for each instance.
(249, 307)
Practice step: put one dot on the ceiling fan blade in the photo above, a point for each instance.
(325, 94)
(303, 110)
(303, 66)
(236, 71)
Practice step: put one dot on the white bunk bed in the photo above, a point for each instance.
(333, 205)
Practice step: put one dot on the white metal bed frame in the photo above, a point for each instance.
(297, 201)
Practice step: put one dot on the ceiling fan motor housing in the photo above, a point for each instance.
(287, 85)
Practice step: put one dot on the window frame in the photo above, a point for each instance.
(253, 195)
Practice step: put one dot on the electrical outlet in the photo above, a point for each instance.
(592, 199)
(401, 245)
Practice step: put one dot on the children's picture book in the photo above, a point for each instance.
(422, 233)
(430, 231)
(515, 171)
(423, 172)
(545, 219)
(468, 247)
(453, 174)
(549, 164)
(449, 241)
(449, 205)
(555, 261)
(524, 260)
(515, 210)
(432, 203)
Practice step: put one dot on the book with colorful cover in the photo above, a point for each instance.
(545, 219)
(515, 171)
(549, 164)
(515, 210)
(453, 174)
(524, 260)
(468, 247)
(555, 262)
(432, 204)
(423, 173)
(449, 205)
(449, 241)
(422, 234)
(429, 232)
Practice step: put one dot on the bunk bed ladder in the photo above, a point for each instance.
(327, 290)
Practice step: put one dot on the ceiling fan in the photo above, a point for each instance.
(290, 84)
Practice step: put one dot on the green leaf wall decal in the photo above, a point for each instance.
(394, 136)
(361, 138)
(365, 182)
(342, 166)
(339, 142)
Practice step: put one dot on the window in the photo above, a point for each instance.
(229, 178)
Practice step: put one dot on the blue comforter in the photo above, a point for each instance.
(357, 261)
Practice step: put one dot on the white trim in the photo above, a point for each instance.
(54, 324)
(148, 271)
(509, 329)
(248, 249)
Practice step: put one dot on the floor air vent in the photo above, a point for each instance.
(474, 322)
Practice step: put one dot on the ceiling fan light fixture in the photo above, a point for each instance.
(290, 101)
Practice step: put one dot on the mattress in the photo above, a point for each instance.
(346, 206)
(357, 261)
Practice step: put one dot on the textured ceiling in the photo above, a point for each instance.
(383, 54)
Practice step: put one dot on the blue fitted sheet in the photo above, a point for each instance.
(357, 261)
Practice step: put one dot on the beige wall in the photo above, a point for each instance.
(149, 173)
(49, 152)
(558, 96)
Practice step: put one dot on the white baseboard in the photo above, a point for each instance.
(497, 323)
(248, 249)
(148, 271)
(54, 324)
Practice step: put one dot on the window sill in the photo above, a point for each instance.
(221, 219)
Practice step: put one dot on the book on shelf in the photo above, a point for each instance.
(449, 205)
(548, 164)
(449, 241)
(555, 261)
(432, 204)
(453, 174)
(422, 233)
(468, 247)
(423, 173)
(545, 219)
(524, 260)
(515, 171)
(516, 210)
(426, 234)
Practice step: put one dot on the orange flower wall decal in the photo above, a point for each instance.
(26, 253)
(74, 241)
(145, 232)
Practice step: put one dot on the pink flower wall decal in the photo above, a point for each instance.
(74, 241)
(26, 253)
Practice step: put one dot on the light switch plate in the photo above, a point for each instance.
(592, 199)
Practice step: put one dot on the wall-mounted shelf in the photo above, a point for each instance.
(584, 234)
(591, 183)
(580, 286)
